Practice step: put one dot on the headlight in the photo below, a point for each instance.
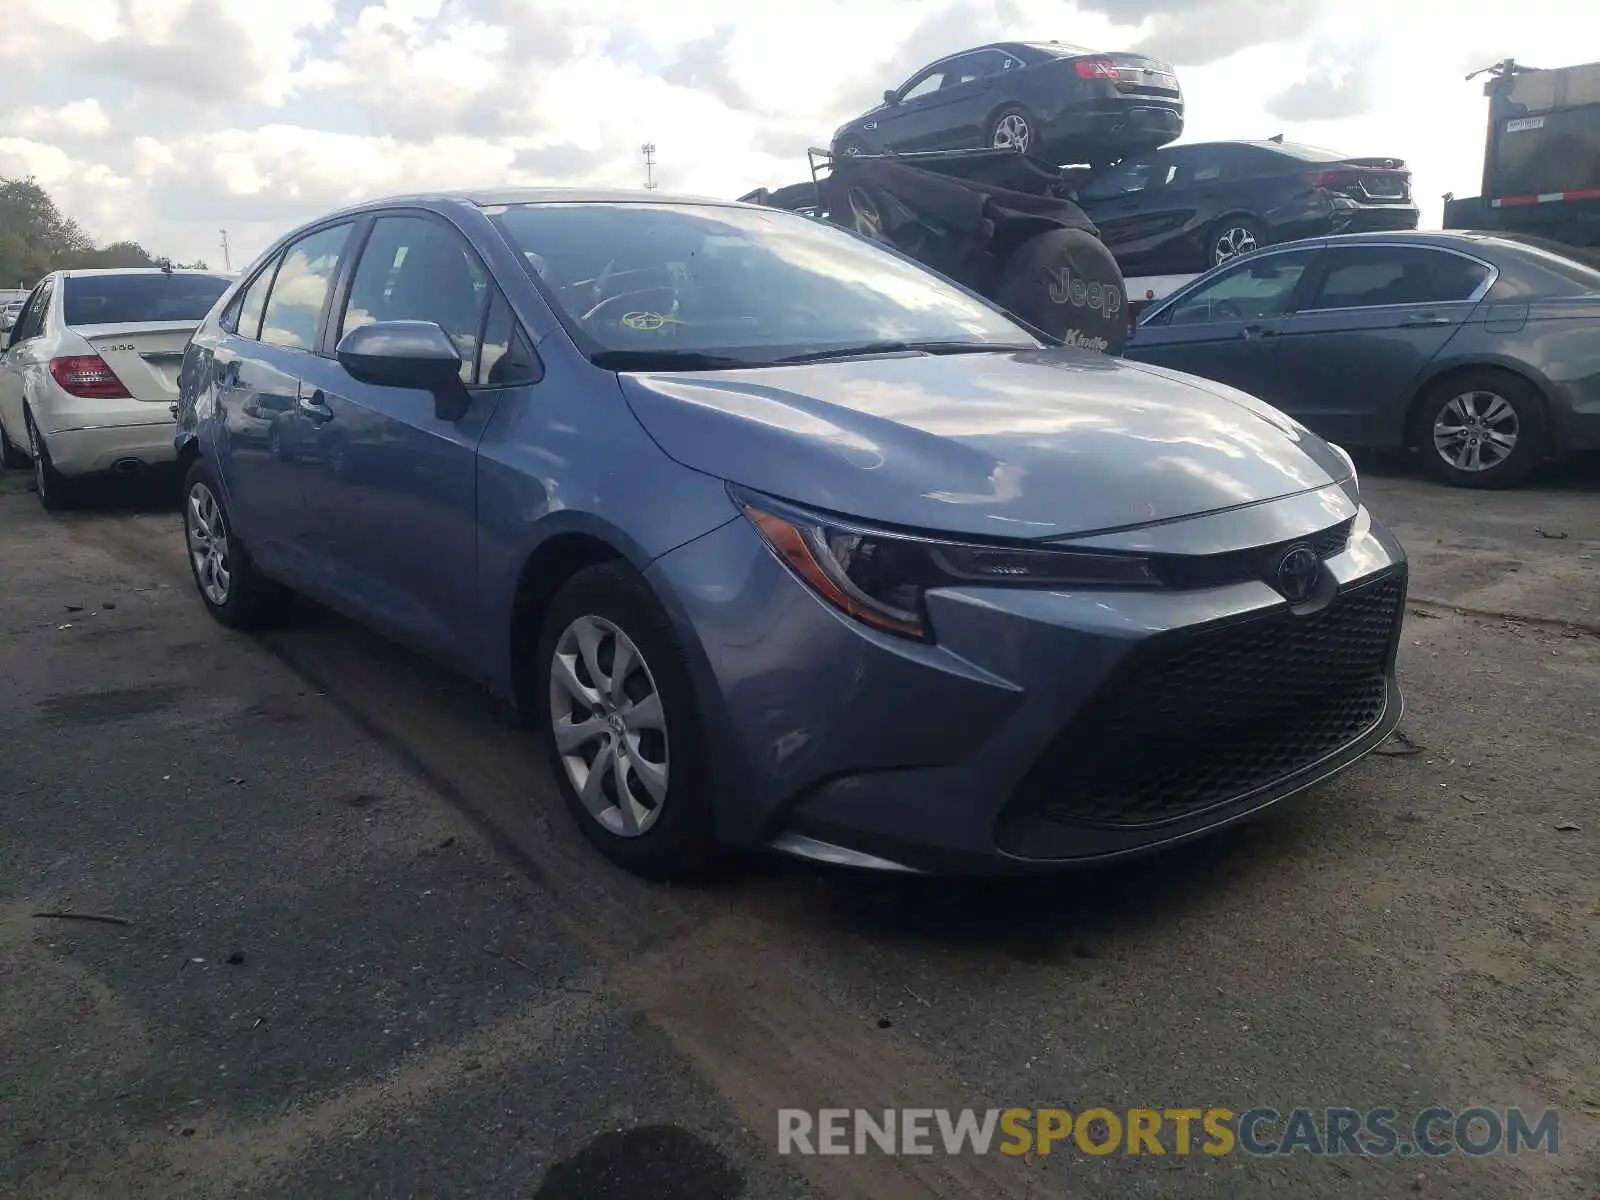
(881, 576)
(1352, 487)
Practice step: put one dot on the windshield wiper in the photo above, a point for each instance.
(668, 360)
(904, 347)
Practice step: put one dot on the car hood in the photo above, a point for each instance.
(1028, 444)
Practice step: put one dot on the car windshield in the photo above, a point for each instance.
(147, 296)
(744, 284)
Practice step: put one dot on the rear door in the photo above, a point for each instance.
(970, 92)
(259, 366)
(391, 487)
(1227, 327)
(1377, 316)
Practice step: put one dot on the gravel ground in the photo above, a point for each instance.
(365, 955)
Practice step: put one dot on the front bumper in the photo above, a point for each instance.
(1044, 729)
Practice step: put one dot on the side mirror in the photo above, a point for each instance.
(891, 97)
(408, 354)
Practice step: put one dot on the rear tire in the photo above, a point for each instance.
(1466, 420)
(230, 587)
(1066, 283)
(641, 732)
(1013, 128)
(57, 492)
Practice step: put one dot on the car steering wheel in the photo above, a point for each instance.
(1226, 310)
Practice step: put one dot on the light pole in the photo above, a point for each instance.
(227, 262)
(649, 152)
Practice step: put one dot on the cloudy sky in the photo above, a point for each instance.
(167, 120)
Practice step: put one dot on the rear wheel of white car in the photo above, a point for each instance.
(626, 742)
(228, 583)
(56, 491)
(1012, 129)
(1481, 429)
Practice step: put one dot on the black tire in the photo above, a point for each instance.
(1030, 129)
(1066, 283)
(1446, 402)
(681, 841)
(57, 492)
(252, 601)
(10, 457)
(1242, 231)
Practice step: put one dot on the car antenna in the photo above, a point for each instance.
(1277, 137)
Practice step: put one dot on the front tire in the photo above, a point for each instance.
(1232, 237)
(229, 585)
(1481, 429)
(626, 742)
(57, 493)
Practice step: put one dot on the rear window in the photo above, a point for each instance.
(1576, 262)
(157, 296)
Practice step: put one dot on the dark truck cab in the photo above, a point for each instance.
(1541, 161)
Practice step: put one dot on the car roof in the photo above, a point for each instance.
(494, 197)
(93, 272)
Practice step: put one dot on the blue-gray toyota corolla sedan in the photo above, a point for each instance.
(784, 540)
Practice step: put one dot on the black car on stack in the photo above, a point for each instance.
(1187, 208)
(1049, 99)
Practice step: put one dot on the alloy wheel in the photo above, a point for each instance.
(1232, 242)
(1011, 132)
(1476, 431)
(609, 726)
(208, 544)
(41, 472)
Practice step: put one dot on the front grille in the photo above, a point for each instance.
(1203, 719)
(1192, 571)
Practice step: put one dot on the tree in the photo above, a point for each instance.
(36, 238)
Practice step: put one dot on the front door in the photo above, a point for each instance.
(1351, 357)
(1228, 328)
(391, 487)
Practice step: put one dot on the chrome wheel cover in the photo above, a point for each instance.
(1231, 243)
(609, 726)
(207, 532)
(1011, 132)
(1476, 431)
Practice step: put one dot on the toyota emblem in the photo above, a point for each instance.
(1297, 573)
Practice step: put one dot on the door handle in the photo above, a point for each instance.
(315, 407)
(1424, 320)
(1252, 333)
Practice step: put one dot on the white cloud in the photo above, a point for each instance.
(192, 115)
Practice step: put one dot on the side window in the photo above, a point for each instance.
(506, 357)
(1369, 276)
(931, 82)
(1255, 290)
(38, 312)
(1130, 177)
(971, 67)
(244, 316)
(294, 306)
(419, 269)
(19, 331)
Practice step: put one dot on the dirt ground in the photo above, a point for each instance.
(364, 953)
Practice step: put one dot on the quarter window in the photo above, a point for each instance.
(1255, 290)
(294, 306)
(252, 303)
(1369, 276)
(418, 269)
(505, 359)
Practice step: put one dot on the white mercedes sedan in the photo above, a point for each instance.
(89, 372)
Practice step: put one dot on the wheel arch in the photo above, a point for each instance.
(1020, 105)
(1438, 374)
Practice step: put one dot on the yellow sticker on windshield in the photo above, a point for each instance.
(647, 321)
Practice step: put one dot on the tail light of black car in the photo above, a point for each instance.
(1370, 184)
(1097, 68)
